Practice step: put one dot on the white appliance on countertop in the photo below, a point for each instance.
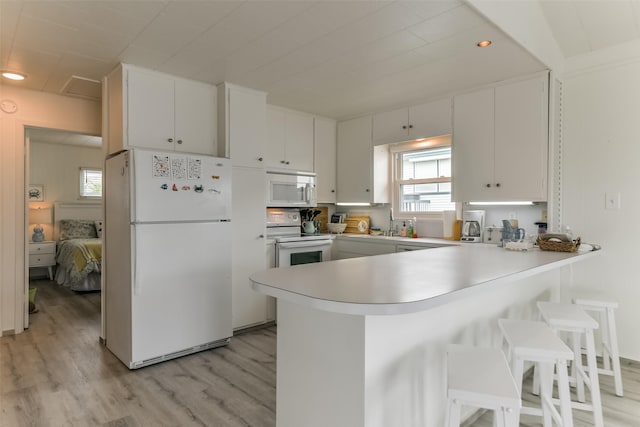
(291, 190)
(292, 247)
(167, 255)
(472, 226)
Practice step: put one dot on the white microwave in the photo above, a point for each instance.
(291, 190)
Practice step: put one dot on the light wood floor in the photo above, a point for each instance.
(57, 374)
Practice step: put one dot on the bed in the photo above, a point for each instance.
(78, 231)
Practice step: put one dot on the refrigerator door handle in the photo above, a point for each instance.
(136, 282)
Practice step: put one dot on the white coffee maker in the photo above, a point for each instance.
(472, 226)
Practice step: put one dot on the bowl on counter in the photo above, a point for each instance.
(336, 228)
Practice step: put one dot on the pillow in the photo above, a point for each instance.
(99, 225)
(77, 229)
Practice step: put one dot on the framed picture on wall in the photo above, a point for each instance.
(36, 193)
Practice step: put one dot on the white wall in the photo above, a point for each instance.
(57, 167)
(601, 153)
(34, 109)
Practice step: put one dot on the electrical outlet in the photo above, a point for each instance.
(612, 200)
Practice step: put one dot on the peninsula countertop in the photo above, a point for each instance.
(406, 282)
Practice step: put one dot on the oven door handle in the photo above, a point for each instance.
(293, 245)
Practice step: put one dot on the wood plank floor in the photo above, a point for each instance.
(57, 374)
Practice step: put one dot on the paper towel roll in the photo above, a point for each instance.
(449, 220)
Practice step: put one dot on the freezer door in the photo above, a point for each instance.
(172, 186)
(182, 287)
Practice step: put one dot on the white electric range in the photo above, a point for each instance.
(292, 247)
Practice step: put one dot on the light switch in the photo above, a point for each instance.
(612, 200)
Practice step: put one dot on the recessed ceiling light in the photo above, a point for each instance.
(13, 76)
(484, 43)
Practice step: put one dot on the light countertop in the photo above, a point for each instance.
(406, 282)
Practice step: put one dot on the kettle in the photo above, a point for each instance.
(308, 227)
(510, 233)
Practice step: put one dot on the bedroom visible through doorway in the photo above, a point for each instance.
(64, 226)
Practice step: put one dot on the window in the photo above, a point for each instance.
(422, 181)
(90, 183)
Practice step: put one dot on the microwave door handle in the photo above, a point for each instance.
(294, 245)
(307, 193)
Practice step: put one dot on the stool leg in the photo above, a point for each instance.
(517, 370)
(576, 366)
(593, 380)
(545, 371)
(606, 340)
(615, 355)
(453, 414)
(564, 394)
(511, 417)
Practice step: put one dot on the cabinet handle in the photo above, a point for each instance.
(261, 236)
(333, 191)
(179, 141)
(488, 185)
(410, 126)
(497, 184)
(367, 190)
(169, 139)
(259, 159)
(287, 162)
(282, 161)
(404, 126)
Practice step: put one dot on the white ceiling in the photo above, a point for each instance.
(53, 136)
(333, 58)
(585, 26)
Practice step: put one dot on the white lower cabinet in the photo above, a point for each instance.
(346, 248)
(248, 254)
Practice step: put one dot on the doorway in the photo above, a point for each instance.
(56, 161)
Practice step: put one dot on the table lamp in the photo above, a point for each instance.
(39, 216)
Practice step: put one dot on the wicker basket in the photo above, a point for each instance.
(546, 245)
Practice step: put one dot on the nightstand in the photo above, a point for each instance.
(42, 254)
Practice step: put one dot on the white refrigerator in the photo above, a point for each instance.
(167, 255)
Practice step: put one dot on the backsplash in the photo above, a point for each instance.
(526, 216)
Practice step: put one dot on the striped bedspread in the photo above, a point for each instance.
(79, 257)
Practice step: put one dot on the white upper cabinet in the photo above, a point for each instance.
(325, 159)
(290, 140)
(419, 121)
(363, 170)
(500, 143)
(242, 125)
(154, 110)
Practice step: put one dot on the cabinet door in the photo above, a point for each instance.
(355, 161)
(325, 159)
(521, 140)
(248, 253)
(150, 104)
(274, 153)
(431, 119)
(247, 127)
(298, 148)
(390, 126)
(472, 146)
(195, 117)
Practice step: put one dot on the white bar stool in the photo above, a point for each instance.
(572, 318)
(480, 377)
(536, 342)
(610, 354)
